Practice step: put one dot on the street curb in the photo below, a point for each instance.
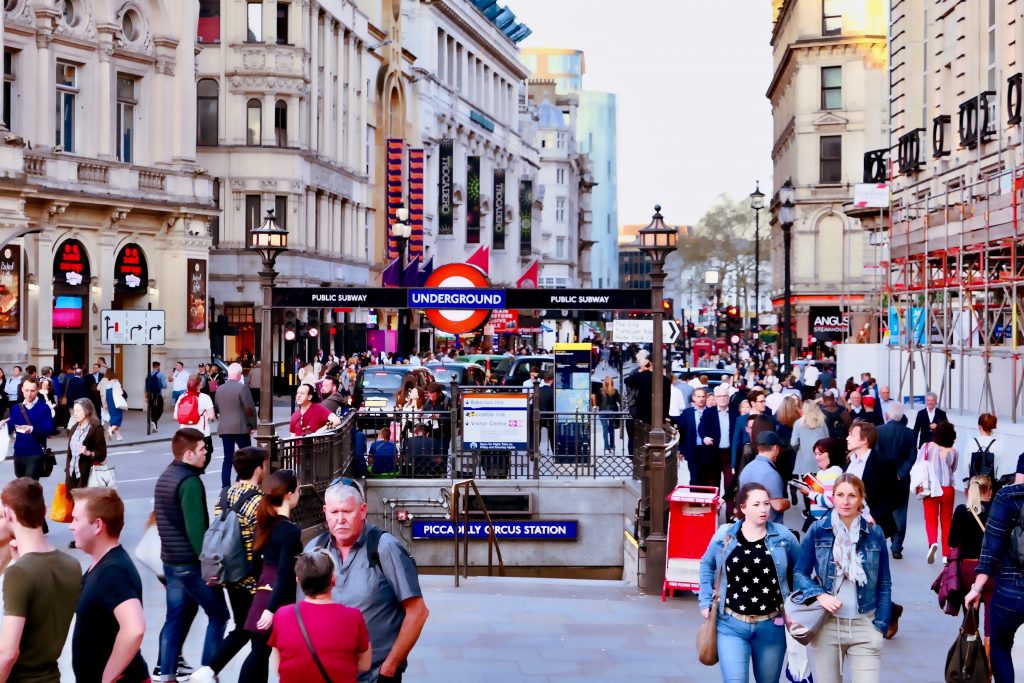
(125, 444)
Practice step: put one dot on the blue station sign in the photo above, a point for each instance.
(505, 530)
(452, 298)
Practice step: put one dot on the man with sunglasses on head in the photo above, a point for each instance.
(375, 573)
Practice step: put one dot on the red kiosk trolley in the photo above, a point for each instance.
(692, 521)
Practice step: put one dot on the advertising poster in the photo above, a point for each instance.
(473, 200)
(495, 421)
(829, 323)
(71, 266)
(445, 208)
(196, 301)
(10, 289)
(525, 217)
(131, 272)
(572, 402)
(499, 210)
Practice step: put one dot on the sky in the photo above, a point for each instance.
(691, 77)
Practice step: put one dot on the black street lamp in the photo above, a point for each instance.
(269, 241)
(787, 216)
(402, 231)
(657, 240)
(757, 203)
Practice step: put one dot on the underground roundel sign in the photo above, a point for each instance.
(464, 278)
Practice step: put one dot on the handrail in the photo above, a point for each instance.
(492, 540)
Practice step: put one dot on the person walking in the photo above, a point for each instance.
(87, 445)
(156, 383)
(1004, 461)
(844, 564)
(278, 542)
(808, 430)
(752, 559)
(938, 510)
(726, 423)
(896, 444)
(40, 590)
(928, 418)
(374, 573)
(109, 621)
(115, 401)
(877, 474)
(12, 386)
(194, 409)
(762, 470)
(182, 520)
(966, 534)
(31, 423)
(698, 441)
(337, 633)
(829, 456)
(245, 497)
(237, 421)
(179, 381)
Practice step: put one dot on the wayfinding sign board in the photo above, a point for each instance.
(132, 328)
(630, 331)
(492, 421)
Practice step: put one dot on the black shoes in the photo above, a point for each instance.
(897, 555)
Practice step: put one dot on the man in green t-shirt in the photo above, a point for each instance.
(40, 591)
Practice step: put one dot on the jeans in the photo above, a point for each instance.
(608, 425)
(858, 639)
(231, 441)
(740, 642)
(185, 586)
(899, 514)
(1007, 617)
(241, 600)
(28, 466)
(175, 395)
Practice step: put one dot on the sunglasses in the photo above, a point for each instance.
(348, 481)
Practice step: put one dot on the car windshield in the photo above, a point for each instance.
(505, 365)
(377, 380)
(444, 373)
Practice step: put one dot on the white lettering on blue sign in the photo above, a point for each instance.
(456, 298)
(503, 529)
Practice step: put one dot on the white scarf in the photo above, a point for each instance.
(844, 549)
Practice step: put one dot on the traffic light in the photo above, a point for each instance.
(733, 324)
(667, 307)
(290, 329)
(313, 325)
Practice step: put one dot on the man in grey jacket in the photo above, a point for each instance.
(237, 418)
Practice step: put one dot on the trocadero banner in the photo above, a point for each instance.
(445, 208)
(499, 209)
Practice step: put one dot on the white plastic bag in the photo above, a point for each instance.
(148, 551)
(104, 476)
(6, 443)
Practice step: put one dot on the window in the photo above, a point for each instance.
(281, 123)
(67, 99)
(215, 220)
(281, 210)
(561, 140)
(831, 18)
(992, 49)
(832, 87)
(207, 112)
(560, 247)
(70, 12)
(130, 26)
(560, 210)
(831, 157)
(282, 23)
(253, 122)
(209, 21)
(253, 216)
(254, 22)
(127, 99)
(8, 89)
(368, 150)
(560, 176)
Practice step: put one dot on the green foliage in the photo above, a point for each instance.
(724, 239)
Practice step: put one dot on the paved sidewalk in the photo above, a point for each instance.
(133, 427)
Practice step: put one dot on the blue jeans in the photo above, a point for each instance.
(175, 395)
(608, 424)
(1007, 617)
(899, 513)
(186, 587)
(231, 441)
(740, 642)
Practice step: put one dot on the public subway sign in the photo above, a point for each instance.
(504, 530)
(457, 298)
(474, 284)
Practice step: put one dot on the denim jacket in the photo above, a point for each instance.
(816, 557)
(781, 544)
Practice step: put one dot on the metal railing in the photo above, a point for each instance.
(459, 510)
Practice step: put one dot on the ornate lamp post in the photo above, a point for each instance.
(787, 216)
(757, 203)
(269, 241)
(402, 231)
(657, 241)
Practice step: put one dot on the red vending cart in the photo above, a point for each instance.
(692, 521)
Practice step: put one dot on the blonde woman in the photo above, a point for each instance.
(966, 532)
(608, 402)
(807, 431)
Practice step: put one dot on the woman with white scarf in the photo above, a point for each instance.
(844, 564)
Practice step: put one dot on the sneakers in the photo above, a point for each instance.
(933, 550)
(183, 673)
(203, 674)
(153, 424)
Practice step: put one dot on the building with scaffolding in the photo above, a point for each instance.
(953, 300)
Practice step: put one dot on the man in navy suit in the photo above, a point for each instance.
(726, 426)
(699, 438)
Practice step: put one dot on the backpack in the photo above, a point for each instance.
(152, 384)
(188, 410)
(222, 559)
(983, 462)
(836, 425)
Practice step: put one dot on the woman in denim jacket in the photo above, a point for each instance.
(757, 557)
(847, 556)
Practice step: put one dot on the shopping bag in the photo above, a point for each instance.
(60, 509)
(967, 662)
(148, 551)
(104, 476)
(6, 444)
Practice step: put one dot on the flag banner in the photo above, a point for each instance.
(417, 176)
(498, 241)
(393, 172)
(446, 176)
(525, 217)
(389, 278)
(528, 280)
(425, 272)
(473, 200)
(481, 258)
(411, 275)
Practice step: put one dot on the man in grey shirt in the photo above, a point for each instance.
(762, 470)
(237, 419)
(374, 573)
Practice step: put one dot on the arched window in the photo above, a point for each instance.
(207, 112)
(281, 123)
(253, 122)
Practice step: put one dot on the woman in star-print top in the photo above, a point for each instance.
(756, 556)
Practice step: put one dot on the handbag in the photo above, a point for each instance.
(707, 634)
(804, 618)
(49, 460)
(120, 400)
(922, 483)
(309, 643)
(6, 444)
(967, 662)
(148, 551)
(60, 509)
(104, 476)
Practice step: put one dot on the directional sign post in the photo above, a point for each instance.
(629, 331)
(132, 328)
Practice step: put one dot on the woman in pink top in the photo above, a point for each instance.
(942, 458)
(339, 644)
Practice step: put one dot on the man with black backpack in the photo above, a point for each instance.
(837, 420)
(375, 573)
(156, 382)
(225, 563)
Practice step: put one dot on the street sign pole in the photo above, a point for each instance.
(149, 368)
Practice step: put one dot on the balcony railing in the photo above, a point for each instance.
(875, 166)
